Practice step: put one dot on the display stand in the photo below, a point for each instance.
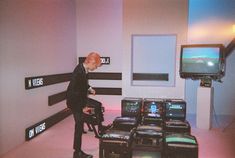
(204, 107)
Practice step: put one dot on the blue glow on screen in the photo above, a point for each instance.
(201, 60)
(153, 108)
(201, 53)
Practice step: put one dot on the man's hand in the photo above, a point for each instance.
(92, 91)
(86, 110)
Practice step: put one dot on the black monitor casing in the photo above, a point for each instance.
(204, 75)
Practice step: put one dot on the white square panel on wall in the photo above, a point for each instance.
(153, 60)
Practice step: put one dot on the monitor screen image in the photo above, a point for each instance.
(131, 106)
(175, 110)
(180, 140)
(200, 61)
(153, 109)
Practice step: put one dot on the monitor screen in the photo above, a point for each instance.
(175, 110)
(153, 109)
(131, 107)
(178, 139)
(200, 61)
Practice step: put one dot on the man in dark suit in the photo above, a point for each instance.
(77, 92)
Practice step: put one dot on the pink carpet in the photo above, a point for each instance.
(56, 142)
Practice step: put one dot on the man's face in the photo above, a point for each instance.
(92, 66)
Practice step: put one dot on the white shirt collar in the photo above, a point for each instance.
(85, 68)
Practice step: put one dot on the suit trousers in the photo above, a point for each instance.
(78, 130)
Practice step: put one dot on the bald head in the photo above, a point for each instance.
(92, 61)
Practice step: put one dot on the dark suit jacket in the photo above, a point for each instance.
(77, 91)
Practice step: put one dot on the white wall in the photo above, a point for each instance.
(37, 38)
(210, 21)
(107, 25)
(153, 17)
(99, 28)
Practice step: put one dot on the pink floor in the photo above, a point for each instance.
(56, 142)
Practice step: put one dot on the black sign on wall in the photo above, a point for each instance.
(39, 81)
(43, 125)
(104, 60)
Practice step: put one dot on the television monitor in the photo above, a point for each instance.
(131, 107)
(202, 61)
(175, 110)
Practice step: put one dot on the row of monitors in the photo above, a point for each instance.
(154, 107)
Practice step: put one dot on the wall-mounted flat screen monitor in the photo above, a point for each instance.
(200, 61)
